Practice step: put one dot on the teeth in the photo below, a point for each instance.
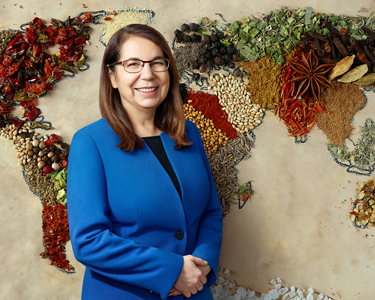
(146, 90)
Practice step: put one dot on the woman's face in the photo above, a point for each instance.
(142, 91)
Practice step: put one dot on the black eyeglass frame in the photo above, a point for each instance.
(143, 64)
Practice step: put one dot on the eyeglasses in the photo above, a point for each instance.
(136, 65)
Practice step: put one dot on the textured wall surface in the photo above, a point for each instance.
(297, 225)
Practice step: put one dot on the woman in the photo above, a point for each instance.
(143, 210)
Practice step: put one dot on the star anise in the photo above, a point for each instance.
(310, 75)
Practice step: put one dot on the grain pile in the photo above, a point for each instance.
(112, 23)
(235, 100)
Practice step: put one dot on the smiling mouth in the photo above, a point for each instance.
(146, 90)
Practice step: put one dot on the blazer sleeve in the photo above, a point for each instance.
(208, 245)
(93, 242)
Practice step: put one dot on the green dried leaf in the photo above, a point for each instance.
(246, 29)
(253, 32)
(226, 43)
(244, 36)
(284, 31)
(64, 66)
(58, 23)
(42, 38)
(308, 14)
(80, 62)
(35, 125)
(280, 59)
(343, 24)
(291, 20)
(245, 20)
(262, 25)
(20, 95)
(234, 26)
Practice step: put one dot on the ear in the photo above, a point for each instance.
(112, 77)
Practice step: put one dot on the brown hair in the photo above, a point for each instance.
(169, 115)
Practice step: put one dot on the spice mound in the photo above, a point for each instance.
(264, 82)
(343, 101)
(363, 214)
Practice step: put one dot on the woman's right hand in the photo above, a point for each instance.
(191, 278)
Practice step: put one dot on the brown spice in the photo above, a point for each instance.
(343, 101)
(264, 81)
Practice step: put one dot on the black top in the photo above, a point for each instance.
(156, 145)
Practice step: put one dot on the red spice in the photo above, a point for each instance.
(299, 114)
(210, 107)
(55, 235)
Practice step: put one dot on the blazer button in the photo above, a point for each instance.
(179, 235)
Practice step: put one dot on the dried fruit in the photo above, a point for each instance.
(47, 169)
(54, 138)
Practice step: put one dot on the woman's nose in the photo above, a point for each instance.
(147, 72)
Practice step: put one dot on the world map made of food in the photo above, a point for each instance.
(304, 68)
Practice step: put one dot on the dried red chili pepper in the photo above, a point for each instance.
(47, 69)
(107, 18)
(62, 34)
(7, 61)
(4, 109)
(71, 31)
(28, 104)
(13, 68)
(32, 114)
(36, 24)
(80, 40)
(30, 36)
(298, 114)
(15, 82)
(85, 18)
(17, 122)
(56, 235)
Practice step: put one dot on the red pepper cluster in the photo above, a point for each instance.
(299, 114)
(26, 68)
(55, 235)
(210, 107)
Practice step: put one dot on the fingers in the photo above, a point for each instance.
(174, 292)
(192, 277)
(198, 261)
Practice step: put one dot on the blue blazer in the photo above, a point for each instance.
(128, 225)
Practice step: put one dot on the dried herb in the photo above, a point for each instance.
(363, 155)
(363, 214)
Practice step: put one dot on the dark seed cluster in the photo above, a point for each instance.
(215, 53)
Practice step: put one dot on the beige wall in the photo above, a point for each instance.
(296, 226)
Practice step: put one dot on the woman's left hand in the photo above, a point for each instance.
(205, 269)
(174, 292)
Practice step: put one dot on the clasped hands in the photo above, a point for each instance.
(192, 277)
